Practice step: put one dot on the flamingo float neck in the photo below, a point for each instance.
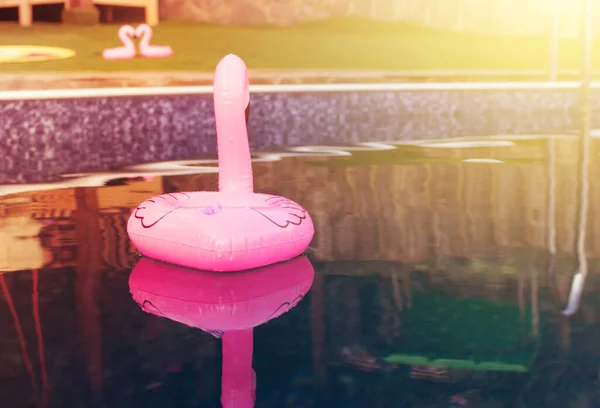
(232, 100)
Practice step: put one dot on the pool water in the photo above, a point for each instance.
(442, 275)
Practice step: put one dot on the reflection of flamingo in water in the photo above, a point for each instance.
(228, 306)
(38, 330)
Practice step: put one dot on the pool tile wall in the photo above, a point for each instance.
(41, 139)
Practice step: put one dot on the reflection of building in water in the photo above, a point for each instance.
(82, 232)
(114, 206)
(373, 208)
(414, 212)
(39, 228)
(388, 206)
(22, 221)
(21, 248)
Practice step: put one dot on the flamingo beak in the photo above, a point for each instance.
(247, 112)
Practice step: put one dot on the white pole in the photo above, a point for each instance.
(554, 40)
(586, 71)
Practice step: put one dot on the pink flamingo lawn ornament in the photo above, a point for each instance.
(144, 31)
(228, 306)
(233, 228)
(127, 51)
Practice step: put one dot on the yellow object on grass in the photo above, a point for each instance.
(32, 53)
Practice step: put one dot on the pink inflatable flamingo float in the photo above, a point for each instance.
(233, 228)
(228, 306)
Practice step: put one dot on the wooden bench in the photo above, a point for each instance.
(26, 8)
(150, 7)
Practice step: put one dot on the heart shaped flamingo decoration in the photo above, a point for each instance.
(128, 51)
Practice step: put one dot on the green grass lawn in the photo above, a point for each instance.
(345, 44)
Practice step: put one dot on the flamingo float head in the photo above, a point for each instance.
(231, 93)
(231, 82)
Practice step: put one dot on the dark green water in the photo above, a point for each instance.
(440, 279)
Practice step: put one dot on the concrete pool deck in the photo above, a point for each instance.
(86, 80)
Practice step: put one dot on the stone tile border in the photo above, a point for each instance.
(40, 139)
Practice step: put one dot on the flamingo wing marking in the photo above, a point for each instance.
(164, 198)
(282, 212)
